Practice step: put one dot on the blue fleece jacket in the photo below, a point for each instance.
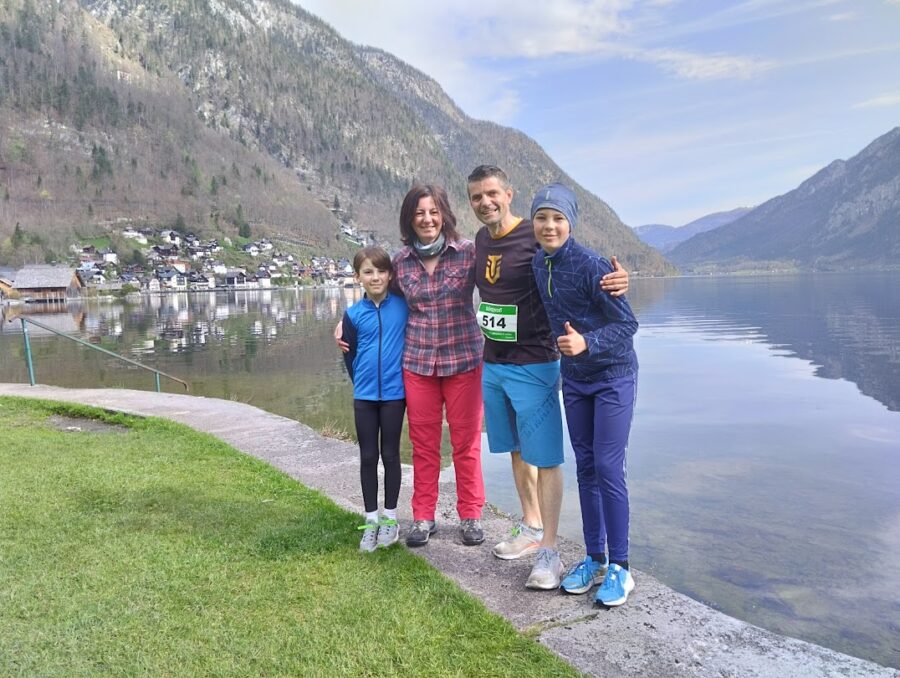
(569, 284)
(375, 360)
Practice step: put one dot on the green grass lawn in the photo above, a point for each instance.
(148, 548)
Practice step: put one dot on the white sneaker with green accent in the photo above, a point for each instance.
(547, 571)
(388, 532)
(369, 540)
(522, 541)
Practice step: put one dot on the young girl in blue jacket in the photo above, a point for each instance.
(599, 383)
(374, 328)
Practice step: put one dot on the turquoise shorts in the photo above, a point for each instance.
(521, 410)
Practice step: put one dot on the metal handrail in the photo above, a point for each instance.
(30, 362)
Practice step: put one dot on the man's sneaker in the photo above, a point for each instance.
(419, 533)
(522, 541)
(616, 586)
(369, 538)
(388, 532)
(546, 571)
(470, 529)
(583, 577)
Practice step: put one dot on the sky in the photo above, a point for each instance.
(668, 110)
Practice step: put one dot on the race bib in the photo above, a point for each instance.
(498, 323)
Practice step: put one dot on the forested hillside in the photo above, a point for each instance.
(225, 112)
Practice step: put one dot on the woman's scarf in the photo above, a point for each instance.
(432, 250)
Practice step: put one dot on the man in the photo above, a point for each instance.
(521, 370)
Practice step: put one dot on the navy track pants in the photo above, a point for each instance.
(598, 415)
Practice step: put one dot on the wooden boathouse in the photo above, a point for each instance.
(50, 284)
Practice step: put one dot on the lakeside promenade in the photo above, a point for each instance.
(658, 633)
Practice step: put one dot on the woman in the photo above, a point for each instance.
(435, 271)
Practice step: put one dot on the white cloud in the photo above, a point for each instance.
(733, 15)
(482, 28)
(705, 66)
(841, 16)
(882, 101)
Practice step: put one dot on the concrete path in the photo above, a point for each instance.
(658, 633)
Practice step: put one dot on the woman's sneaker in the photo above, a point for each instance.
(419, 533)
(616, 586)
(522, 541)
(369, 540)
(388, 532)
(471, 531)
(584, 576)
(546, 571)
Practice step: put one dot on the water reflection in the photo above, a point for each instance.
(269, 348)
(848, 325)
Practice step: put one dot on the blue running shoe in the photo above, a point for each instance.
(616, 586)
(583, 577)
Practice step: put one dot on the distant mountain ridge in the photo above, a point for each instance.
(665, 238)
(845, 216)
(238, 110)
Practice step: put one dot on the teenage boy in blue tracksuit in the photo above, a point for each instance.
(374, 328)
(599, 382)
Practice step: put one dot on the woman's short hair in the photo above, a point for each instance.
(379, 258)
(411, 204)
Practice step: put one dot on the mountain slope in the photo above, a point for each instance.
(89, 137)
(657, 236)
(846, 215)
(259, 93)
(664, 238)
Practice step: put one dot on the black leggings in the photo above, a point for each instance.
(372, 417)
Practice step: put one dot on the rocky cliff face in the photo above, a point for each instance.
(845, 216)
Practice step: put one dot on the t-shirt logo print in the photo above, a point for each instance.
(492, 270)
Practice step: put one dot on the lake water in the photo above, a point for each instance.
(763, 462)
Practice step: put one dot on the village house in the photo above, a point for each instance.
(46, 283)
(172, 279)
(198, 281)
(7, 275)
(171, 237)
(93, 277)
(196, 253)
(236, 279)
(166, 251)
(263, 279)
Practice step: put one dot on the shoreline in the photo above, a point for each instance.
(658, 633)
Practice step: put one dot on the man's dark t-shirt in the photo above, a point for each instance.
(511, 315)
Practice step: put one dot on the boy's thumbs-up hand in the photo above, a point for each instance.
(571, 343)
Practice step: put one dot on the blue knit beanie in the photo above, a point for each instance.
(557, 197)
